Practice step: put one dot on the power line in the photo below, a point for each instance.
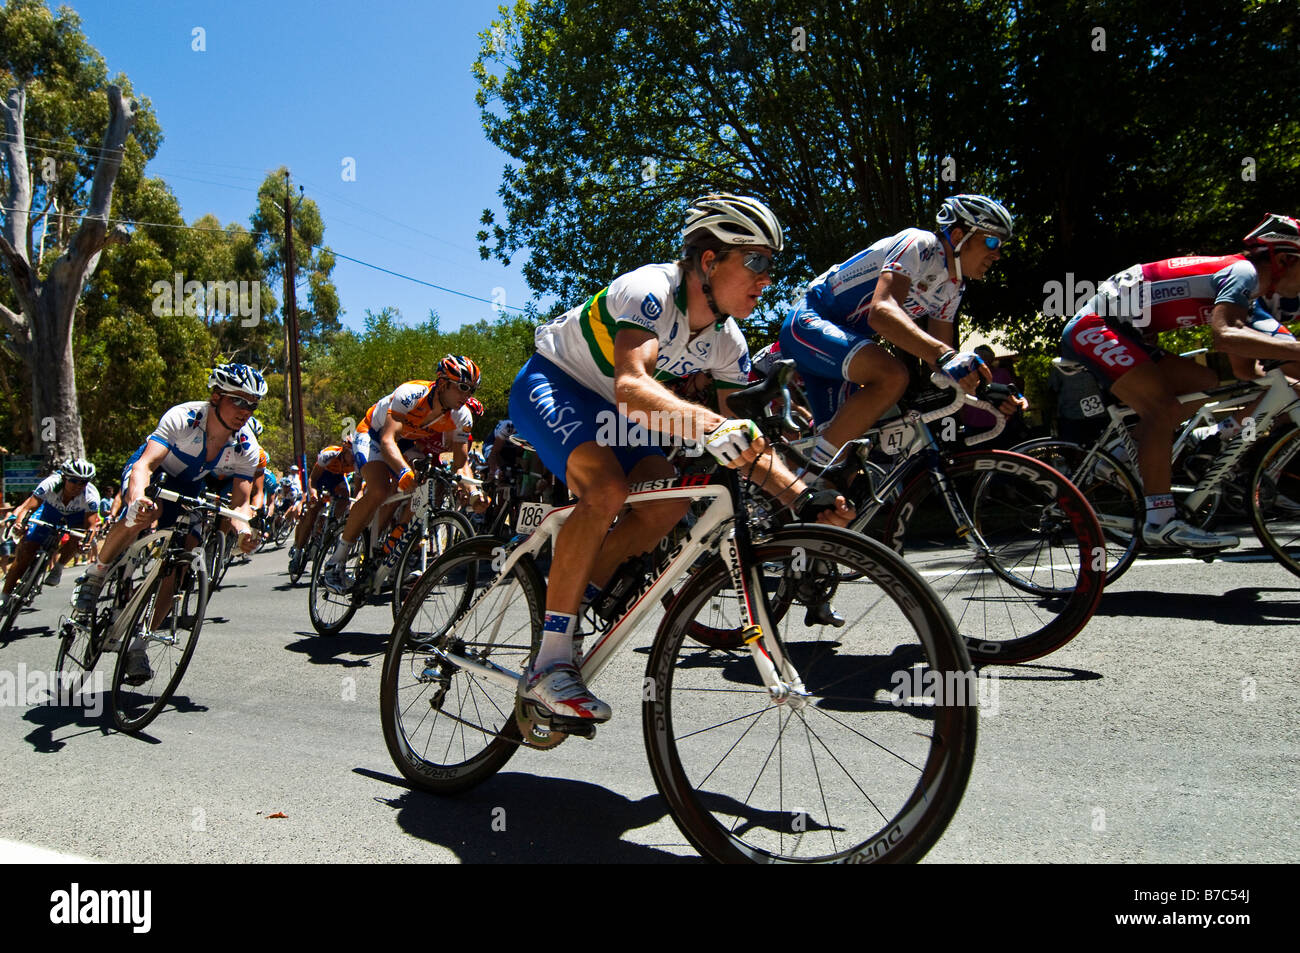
(336, 254)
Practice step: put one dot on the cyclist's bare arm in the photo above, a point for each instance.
(388, 444)
(240, 494)
(636, 392)
(1233, 335)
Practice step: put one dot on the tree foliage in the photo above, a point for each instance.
(1117, 132)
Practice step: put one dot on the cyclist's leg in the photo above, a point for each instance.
(22, 559)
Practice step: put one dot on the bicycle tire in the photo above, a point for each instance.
(136, 706)
(440, 754)
(1275, 501)
(746, 778)
(421, 548)
(22, 594)
(1109, 486)
(1042, 576)
(331, 611)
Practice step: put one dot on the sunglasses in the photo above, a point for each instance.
(757, 262)
(241, 403)
(992, 242)
(464, 388)
(75, 482)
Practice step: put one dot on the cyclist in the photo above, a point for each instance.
(433, 411)
(885, 291)
(658, 323)
(64, 498)
(191, 441)
(1113, 335)
(329, 474)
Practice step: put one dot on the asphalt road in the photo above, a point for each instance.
(1165, 733)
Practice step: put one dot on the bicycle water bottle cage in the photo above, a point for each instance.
(622, 586)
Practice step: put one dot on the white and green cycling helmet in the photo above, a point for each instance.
(78, 470)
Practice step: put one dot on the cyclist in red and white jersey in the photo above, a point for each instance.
(329, 475)
(417, 410)
(1113, 336)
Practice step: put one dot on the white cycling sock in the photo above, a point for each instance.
(1160, 509)
(557, 640)
(340, 551)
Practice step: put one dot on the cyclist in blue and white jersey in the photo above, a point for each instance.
(191, 441)
(65, 498)
(599, 376)
(887, 291)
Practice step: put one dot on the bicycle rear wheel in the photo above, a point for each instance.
(1029, 577)
(1109, 488)
(869, 765)
(168, 646)
(22, 594)
(449, 727)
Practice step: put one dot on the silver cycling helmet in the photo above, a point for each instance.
(732, 220)
(975, 211)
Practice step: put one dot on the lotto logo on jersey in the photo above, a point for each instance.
(1105, 347)
(651, 307)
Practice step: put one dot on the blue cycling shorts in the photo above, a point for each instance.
(557, 415)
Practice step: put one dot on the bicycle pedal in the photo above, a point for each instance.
(536, 735)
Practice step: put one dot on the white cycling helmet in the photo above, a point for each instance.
(255, 425)
(732, 220)
(975, 211)
(238, 379)
(1280, 234)
(78, 469)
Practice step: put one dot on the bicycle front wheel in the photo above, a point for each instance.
(448, 726)
(331, 611)
(420, 548)
(867, 764)
(1025, 575)
(166, 636)
(1275, 500)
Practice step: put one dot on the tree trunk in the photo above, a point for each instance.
(42, 331)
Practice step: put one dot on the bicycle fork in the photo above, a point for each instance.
(779, 676)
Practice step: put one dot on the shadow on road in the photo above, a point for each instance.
(521, 818)
(365, 648)
(90, 714)
(1243, 606)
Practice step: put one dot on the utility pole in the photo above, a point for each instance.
(291, 331)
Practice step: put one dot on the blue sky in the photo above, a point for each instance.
(308, 84)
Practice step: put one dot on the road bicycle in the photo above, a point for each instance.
(1012, 548)
(384, 555)
(797, 741)
(32, 580)
(1270, 494)
(153, 598)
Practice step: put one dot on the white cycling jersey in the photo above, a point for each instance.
(50, 492)
(581, 341)
(183, 431)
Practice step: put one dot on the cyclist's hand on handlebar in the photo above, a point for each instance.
(406, 480)
(1004, 397)
(247, 542)
(734, 442)
(967, 369)
(826, 506)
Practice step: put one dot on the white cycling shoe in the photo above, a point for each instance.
(558, 692)
(1176, 534)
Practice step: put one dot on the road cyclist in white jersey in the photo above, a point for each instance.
(191, 441)
(65, 498)
(589, 398)
(887, 291)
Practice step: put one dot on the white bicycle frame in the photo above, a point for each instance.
(713, 530)
(1279, 398)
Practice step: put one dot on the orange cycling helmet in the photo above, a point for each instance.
(460, 370)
